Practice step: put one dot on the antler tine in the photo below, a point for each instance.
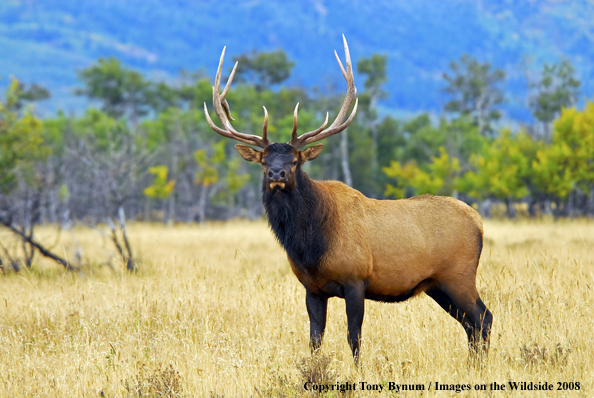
(265, 126)
(229, 80)
(339, 124)
(225, 133)
(223, 112)
(352, 91)
(331, 131)
(305, 136)
(294, 131)
(344, 73)
(217, 100)
(226, 90)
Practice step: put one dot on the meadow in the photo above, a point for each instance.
(215, 311)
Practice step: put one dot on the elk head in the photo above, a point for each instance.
(281, 161)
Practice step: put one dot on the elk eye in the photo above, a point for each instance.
(264, 164)
(294, 163)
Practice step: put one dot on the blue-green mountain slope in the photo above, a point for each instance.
(46, 41)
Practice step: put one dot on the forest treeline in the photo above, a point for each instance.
(145, 146)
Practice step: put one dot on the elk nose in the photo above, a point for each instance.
(276, 174)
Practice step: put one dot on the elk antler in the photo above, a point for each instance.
(222, 110)
(338, 125)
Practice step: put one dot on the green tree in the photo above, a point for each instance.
(551, 174)
(567, 164)
(161, 96)
(32, 93)
(576, 130)
(234, 179)
(263, 69)
(374, 68)
(501, 170)
(208, 173)
(475, 90)
(437, 178)
(557, 88)
(122, 91)
(421, 140)
(21, 141)
(195, 91)
(210, 170)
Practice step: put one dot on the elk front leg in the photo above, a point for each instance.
(317, 307)
(354, 296)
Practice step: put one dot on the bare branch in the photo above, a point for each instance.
(130, 264)
(46, 253)
(114, 238)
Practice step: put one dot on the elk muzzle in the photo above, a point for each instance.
(277, 178)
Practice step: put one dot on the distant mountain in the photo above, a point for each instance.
(46, 41)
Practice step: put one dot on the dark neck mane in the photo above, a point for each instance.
(299, 219)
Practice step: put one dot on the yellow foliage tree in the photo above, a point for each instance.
(161, 188)
(501, 169)
(208, 174)
(569, 161)
(439, 179)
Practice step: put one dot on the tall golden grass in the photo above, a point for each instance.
(215, 311)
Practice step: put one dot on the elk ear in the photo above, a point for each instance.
(311, 153)
(249, 153)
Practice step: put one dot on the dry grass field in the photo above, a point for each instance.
(215, 311)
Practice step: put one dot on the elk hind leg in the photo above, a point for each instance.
(470, 311)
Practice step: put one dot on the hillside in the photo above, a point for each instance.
(47, 41)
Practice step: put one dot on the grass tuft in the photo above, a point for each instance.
(538, 355)
(316, 369)
(161, 382)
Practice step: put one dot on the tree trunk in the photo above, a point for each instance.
(557, 211)
(374, 134)
(344, 158)
(52, 213)
(546, 208)
(147, 209)
(532, 205)
(170, 217)
(254, 203)
(547, 132)
(570, 208)
(202, 204)
(511, 211)
(590, 210)
(485, 208)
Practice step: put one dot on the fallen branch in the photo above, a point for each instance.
(42, 250)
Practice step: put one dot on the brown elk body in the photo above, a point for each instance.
(343, 244)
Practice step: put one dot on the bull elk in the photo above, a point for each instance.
(343, 244)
